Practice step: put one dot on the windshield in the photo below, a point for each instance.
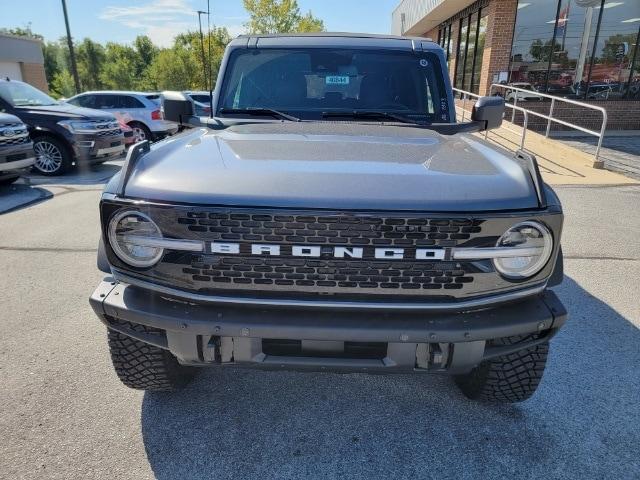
(22, 95)
(311, 82)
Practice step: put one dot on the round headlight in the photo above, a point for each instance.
(129, 235)
(536, 244)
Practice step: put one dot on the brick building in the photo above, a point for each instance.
(580, 49)
(21, 59)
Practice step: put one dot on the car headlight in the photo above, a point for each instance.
(78, 126)
(134, 238)
(531, 245)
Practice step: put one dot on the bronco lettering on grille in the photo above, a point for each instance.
(337, 252)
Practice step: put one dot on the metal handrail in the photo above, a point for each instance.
(600, 134)
(524, 112)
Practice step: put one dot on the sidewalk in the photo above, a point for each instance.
(560, 162)
(621, 153)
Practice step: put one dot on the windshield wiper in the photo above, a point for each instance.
(259, 111)
(369, 114)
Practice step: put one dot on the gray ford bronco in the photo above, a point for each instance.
(331, 215)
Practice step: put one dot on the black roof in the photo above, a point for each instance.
(336, 39)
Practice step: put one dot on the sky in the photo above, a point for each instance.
(122, 20)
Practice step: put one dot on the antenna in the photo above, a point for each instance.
(210, 69)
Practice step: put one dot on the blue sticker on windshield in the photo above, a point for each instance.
(337, 80)
(423, 63)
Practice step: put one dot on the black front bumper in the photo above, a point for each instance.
(414, 341)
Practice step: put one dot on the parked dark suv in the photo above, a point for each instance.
(16, 149)
(63, 135)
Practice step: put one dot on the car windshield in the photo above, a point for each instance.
(311, 83)
(22, 95)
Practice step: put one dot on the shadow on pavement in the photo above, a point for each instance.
(81, 175)
(17, 196)
(33, 188)
(582, 423)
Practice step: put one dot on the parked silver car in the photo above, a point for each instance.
(139, 110)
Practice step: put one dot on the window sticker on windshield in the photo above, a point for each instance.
(337, 80)
(423, 63)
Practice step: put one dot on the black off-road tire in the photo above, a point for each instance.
(507, 379)
(146, 367)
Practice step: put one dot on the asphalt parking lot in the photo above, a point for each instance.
(65, 415)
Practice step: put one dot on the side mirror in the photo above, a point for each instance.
(490, 111)
(176, 107)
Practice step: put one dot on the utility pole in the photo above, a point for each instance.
(210, 62)
(74, 67)
(204, 62)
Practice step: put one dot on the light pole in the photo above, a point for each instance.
(204, 63)
(74, 68)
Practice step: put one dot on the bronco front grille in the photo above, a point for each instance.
(286, 273)
(245, 269)
(327, 273)
(348, 230)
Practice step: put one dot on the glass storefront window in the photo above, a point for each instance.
(477, 69)
(578, 48)
(462, 52)
(532, 40)
(611, 73)
(471, 50)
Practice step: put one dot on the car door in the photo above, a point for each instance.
(133, 109)
(107, 102)
(86, 101)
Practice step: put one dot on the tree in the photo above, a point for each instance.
(119, 69)
(175, 69)
(53, 59)
(613, 47)
(91, 58)
(309, 23)
(22, 32)
(279, 16)
(147, 52)
(62, 85)
(540, 52)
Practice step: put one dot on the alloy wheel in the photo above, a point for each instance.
(139, 134)
(48, 156)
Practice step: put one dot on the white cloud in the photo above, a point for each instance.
(235, 30)
(161, 20)
(165, 9)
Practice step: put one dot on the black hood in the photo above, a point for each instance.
(332, 165)
(61, 111)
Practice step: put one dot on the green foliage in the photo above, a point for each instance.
(62, 85)
(174, 69)
(279, 16)
(22, 32)
(90, 59)
(119, 69)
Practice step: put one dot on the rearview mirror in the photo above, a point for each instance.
(176, 107)
(489, 110)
